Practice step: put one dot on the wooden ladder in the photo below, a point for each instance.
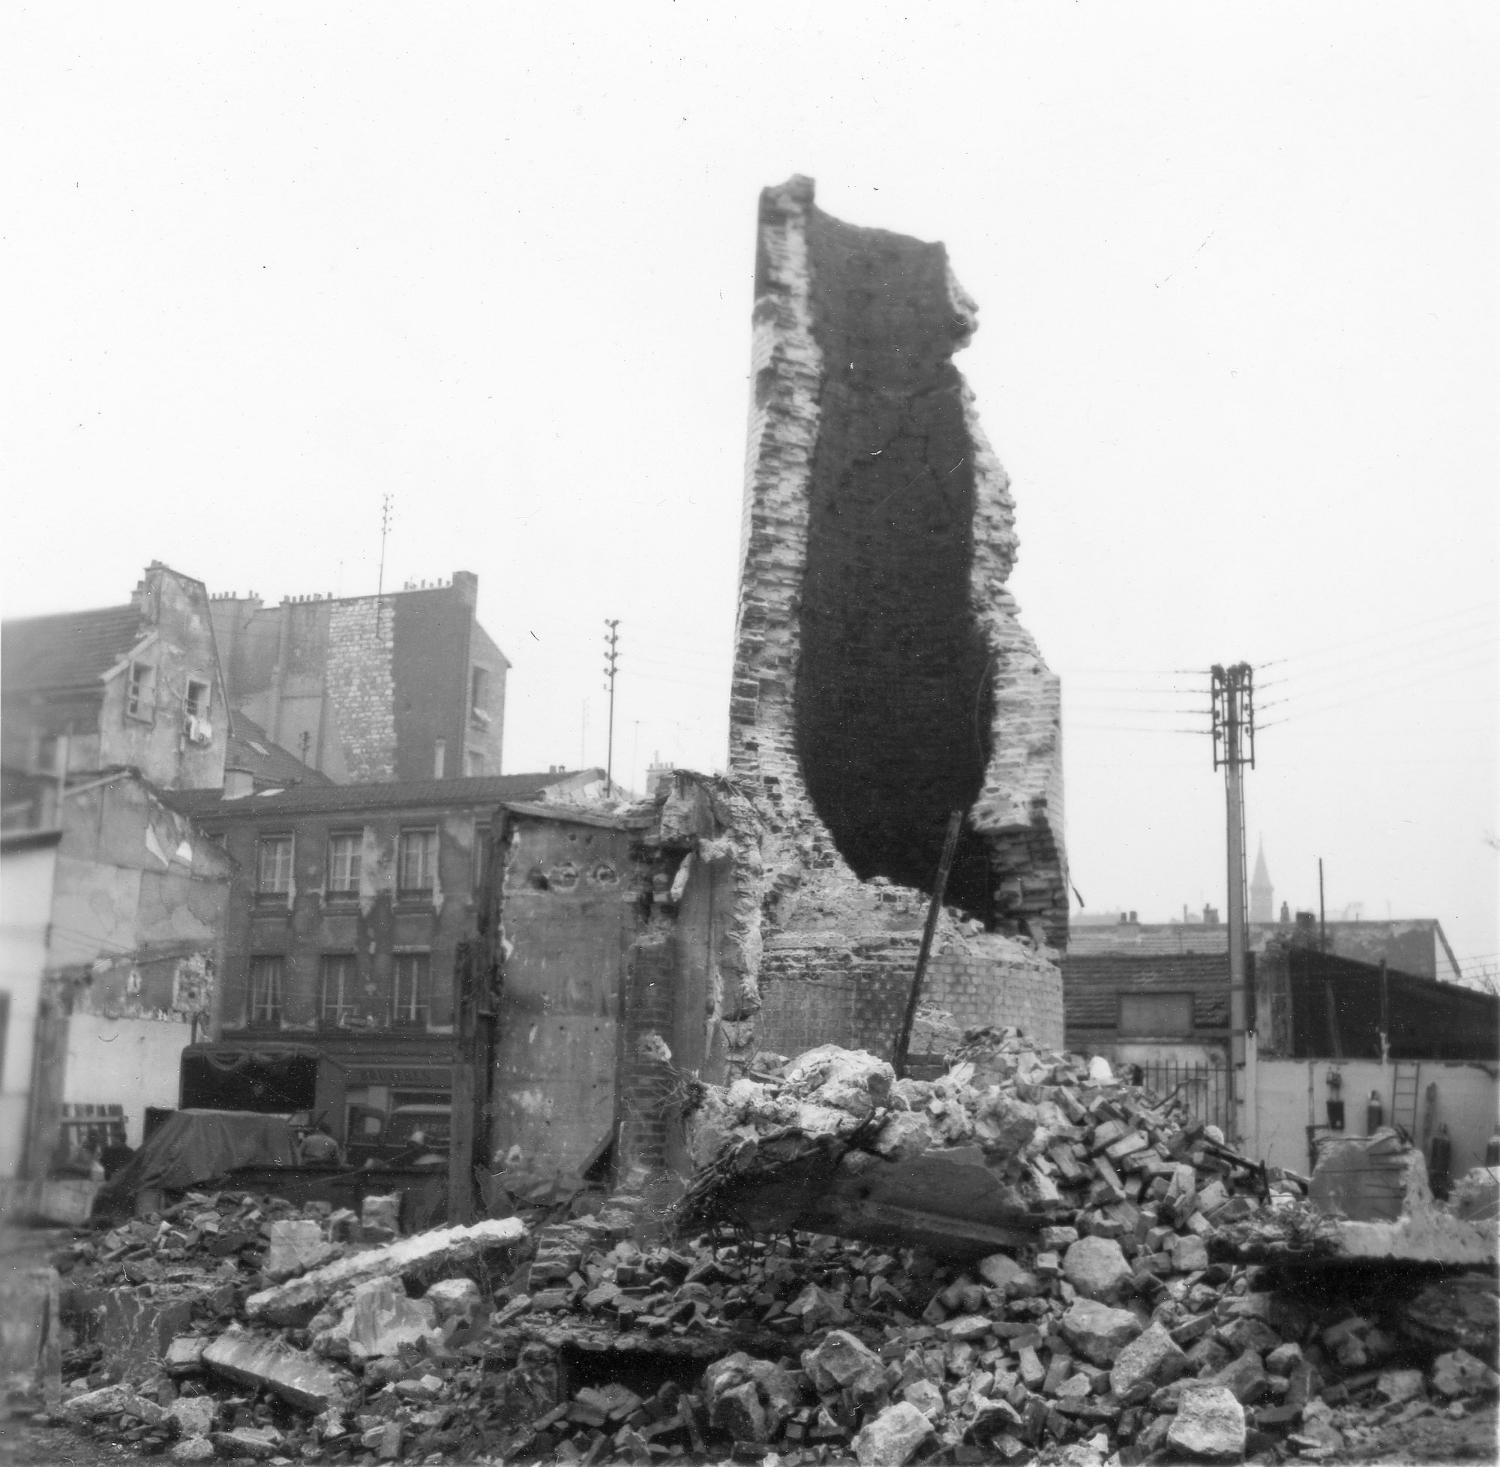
(1405, 1089)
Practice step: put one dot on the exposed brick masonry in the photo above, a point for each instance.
(361, 636)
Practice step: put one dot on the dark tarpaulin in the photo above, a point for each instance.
(193, 1146)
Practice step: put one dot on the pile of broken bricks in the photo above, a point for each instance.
(1121, 1329)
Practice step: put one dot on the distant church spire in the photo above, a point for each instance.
(1262, 892)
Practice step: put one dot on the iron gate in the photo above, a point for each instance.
(1201, 1088)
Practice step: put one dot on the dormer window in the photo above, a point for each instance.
(140, 692)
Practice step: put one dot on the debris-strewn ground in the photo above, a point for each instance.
(1125, 1329)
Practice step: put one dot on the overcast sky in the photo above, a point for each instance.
(1238, 350)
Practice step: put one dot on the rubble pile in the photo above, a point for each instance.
(1118, 1324)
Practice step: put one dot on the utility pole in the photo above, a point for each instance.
(611, 657)
(1233, 706)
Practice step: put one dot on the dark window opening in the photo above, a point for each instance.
(266, 975)
(412, 987)
(140, 692)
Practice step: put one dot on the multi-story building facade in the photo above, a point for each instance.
(405, 686)
(346, 910)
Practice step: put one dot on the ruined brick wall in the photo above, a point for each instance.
(987, 983)
(361, 688)
(881, 677)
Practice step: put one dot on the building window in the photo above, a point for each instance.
(344, 847)
(48, 746)
(273, 867)
(1156, 1015)
(336, 1006)
(481, 855)
(475, 761)
(198, 695)
(416, 863)
(440, 758)
(265, 992)
(479, 696)
(413, 985)
(140, 692)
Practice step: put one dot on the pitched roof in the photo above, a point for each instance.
(69, 650)
(250, 748)
(310, 799)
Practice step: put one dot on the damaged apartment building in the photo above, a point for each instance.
(882, 684)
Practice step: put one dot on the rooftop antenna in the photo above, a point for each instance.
(385, 528)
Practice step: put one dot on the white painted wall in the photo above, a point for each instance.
(1290, 1095)
(26, 876)
(133, 1063)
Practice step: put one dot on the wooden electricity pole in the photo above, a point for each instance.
(1233, 700)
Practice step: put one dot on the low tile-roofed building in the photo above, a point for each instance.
(1092, 986)
(72, 649)
(312, 799)
(1414, 945)
(251, 751)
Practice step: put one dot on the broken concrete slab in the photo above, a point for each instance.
(443, 1252)
(296, 1376)
(111, 1400)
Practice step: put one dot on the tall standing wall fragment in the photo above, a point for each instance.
(882, 678)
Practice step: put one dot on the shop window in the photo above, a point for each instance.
(413, 985)
(266, 974)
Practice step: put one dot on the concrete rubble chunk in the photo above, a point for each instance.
(893, 1437)
(259, 1443)
(271, 1364)
(296, 1245)
(194, 1449)
(1151, 1358)
(112, 1400)
(1099, 1332)
(194, 1415)
(841, 1361)
(380, 1218)
(379, 1320)
(422, 1256)
(1245, 1377)
(1459, 1373)
(998, 1269)
(1209, 1425)
(457, 1301)
(1096, 1267)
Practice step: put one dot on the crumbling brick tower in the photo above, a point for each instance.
(882, 678)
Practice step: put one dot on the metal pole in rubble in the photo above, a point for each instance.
(611, 641)
(950, 846)
(1234, 746)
